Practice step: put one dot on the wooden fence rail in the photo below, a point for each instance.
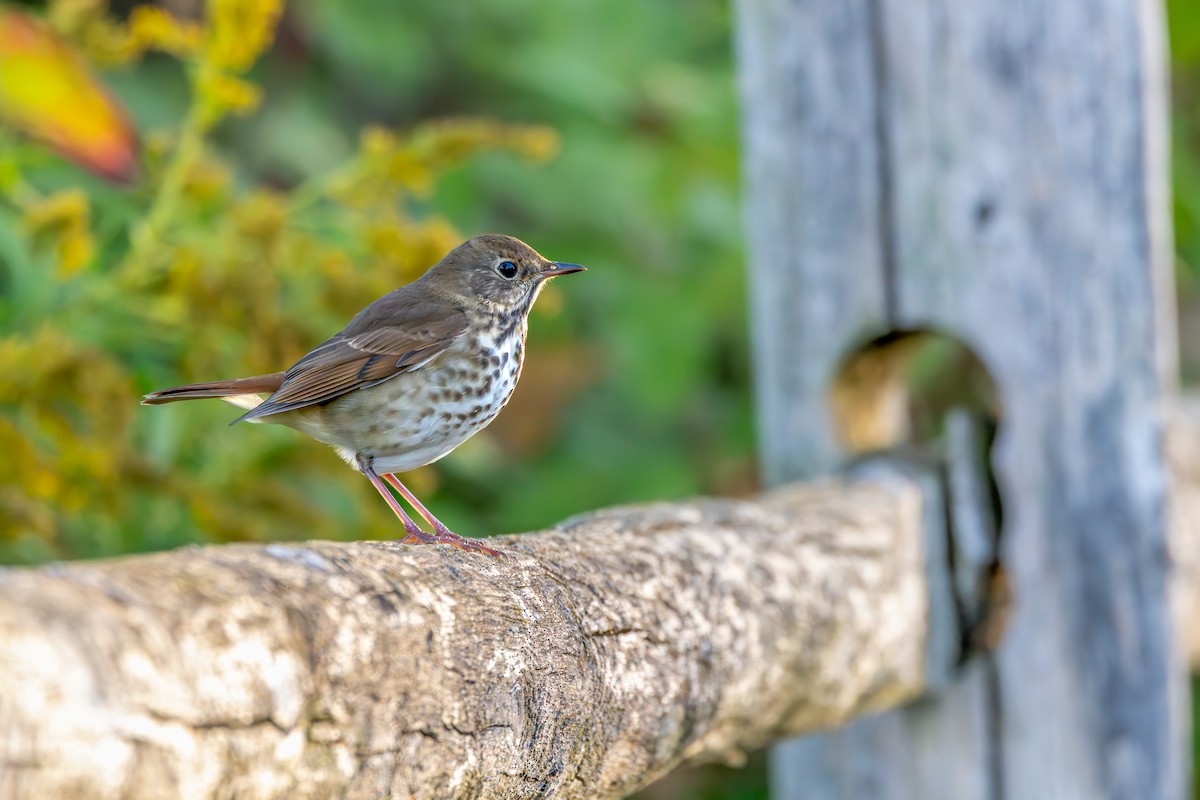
(596, 657)
(592, 660)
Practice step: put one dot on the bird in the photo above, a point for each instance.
(412, 376)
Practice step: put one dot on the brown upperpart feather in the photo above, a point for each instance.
(400, 332)
(395, 334)
(258, 384)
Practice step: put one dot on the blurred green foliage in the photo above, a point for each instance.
(1183, 24)
(1183, 18)
(252, 236)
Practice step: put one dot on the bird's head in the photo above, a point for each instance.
(497, 270)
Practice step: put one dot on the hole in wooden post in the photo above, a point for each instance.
(898, 388)
(927, 393)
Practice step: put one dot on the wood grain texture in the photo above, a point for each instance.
(813, 214)
(1021, 195)
(595, 658)
(1027, 179)
(818, 217)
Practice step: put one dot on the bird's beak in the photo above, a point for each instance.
(555, 268)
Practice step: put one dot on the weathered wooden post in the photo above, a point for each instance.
(996, 170)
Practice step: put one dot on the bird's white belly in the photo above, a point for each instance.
(418, 417)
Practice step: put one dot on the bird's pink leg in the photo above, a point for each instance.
(443, 534)
(414, 533)
(426, 514)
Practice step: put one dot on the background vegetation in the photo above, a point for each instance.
(259, 226)
(296, 163)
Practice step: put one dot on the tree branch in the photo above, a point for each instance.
(596, 657)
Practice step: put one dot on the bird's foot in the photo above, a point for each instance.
(443, 535)
(447, 536)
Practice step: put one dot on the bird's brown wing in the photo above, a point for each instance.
(361, 356)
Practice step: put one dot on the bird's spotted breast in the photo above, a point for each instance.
(417, 417)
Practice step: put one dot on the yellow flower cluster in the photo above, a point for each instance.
(68, 430)
(64, 220)
(86, 23)
(406, 246)
(106, 41)
(152, 28)
(234, 34)
(389, 164)
(239, 31)
(222, 94)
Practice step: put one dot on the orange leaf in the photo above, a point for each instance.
(47, 92)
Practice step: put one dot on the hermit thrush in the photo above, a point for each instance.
(414, 375)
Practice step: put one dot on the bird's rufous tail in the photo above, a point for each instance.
(242, 392)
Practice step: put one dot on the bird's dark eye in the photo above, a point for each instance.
(507, 269)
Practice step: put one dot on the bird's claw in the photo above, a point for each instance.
(445, 536)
